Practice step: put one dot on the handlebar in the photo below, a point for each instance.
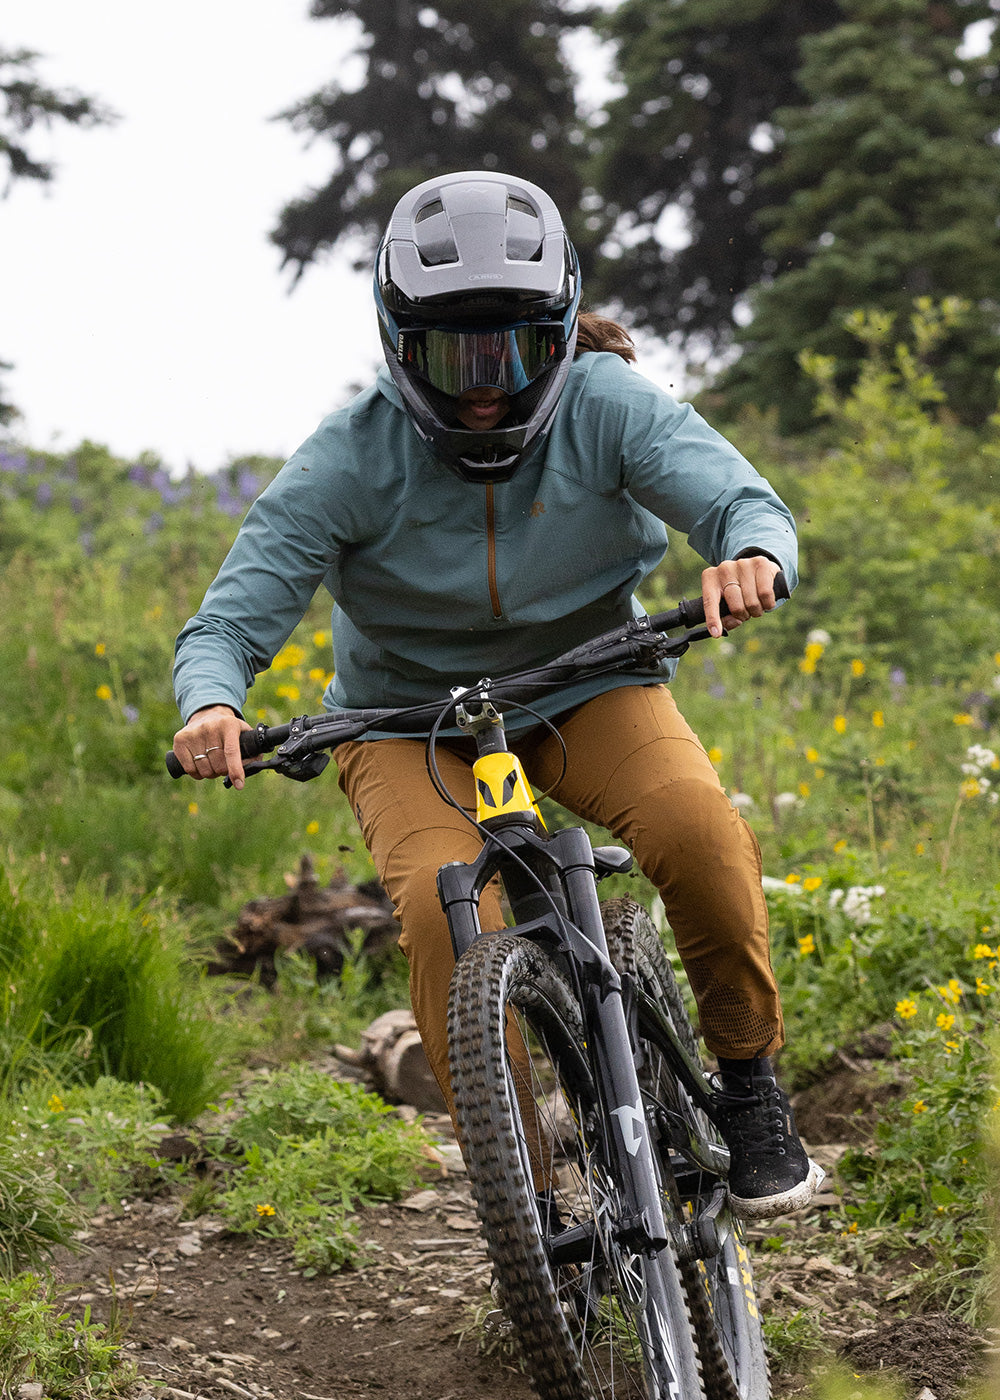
(300, 742)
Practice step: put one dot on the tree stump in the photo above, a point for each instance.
(322, 921)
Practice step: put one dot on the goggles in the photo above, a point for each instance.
(453, 361)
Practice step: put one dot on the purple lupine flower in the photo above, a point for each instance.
(131, 713)
(14, 461)
(139, 474)
(43, 496)
(717, 691)
(154, 523)
(897, 676)
(247, 485)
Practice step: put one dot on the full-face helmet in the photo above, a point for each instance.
(477, 284)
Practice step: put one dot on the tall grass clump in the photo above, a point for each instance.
(110, 986)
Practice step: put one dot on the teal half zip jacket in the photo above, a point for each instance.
(437, 582)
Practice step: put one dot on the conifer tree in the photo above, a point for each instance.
(448, 86)
(887, 190)
(686, 144)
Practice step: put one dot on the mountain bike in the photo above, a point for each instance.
(586, 1119)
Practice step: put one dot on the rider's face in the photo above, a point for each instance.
(482, 408)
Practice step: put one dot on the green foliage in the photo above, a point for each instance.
(105, 983)
(927, 1180)
(443, 88)
(36, 1211)
(69, 1357)
(313, 1150)
(885, 188)
(692, 133)
(99, 1140)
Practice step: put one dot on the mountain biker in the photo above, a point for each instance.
(492, 500)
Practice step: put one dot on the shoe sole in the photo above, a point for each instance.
(766, 1207)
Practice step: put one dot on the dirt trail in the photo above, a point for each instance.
(217, 1316)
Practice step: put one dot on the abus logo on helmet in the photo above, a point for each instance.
(485, 277)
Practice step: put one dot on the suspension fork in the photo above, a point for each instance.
(602, 993)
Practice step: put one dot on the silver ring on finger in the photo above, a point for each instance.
(211, 749)
(196, 756)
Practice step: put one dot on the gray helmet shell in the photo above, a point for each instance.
(482, 250)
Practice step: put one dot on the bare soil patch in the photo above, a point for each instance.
(215, 1315)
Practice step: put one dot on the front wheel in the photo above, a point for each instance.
(720, 1286)
(593, 1320)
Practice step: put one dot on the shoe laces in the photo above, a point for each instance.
(754, 1118)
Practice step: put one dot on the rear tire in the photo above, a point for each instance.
(720, 1289)
(606, 1323)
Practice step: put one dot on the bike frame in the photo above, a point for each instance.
(551, 884)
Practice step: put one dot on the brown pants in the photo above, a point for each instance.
(633, 766)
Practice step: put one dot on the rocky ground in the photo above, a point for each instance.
(214, 1315)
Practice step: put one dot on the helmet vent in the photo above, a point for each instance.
(428, 211)
(525, 234)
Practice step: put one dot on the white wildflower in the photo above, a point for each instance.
(742, 799)
(817, 637)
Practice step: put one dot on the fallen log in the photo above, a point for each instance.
(393, 1061)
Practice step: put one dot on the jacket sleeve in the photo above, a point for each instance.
(261, 592)
(692, 478)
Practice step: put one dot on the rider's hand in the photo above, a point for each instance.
(736, 590)
(209, 744)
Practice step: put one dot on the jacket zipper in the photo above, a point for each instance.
(491, 553)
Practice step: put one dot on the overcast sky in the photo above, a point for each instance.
(140, 300)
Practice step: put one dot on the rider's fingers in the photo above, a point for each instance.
(233, 757)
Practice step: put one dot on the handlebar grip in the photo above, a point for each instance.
(692, 610)
(250, 747)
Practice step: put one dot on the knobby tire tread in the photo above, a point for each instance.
(487, 1120)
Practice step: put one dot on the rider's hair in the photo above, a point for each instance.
(599, 333)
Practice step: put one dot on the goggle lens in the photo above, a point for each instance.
(453, 361)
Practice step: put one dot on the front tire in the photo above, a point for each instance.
(593, 1321)
(720, 1289)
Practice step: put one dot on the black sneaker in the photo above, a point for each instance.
(769, 1172)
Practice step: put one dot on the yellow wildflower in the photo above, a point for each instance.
(950, 1047)
(812, 883)
(291, 655)
(319, 639)
(878, 719)
(807, 945)
(317, 673)
(961, 719)
(288, 692)
(839, 846)
(971, 788)
(312, 828)
(982, 950)
(952, 992)
(812, 756)
(804, 789)
(920, 1106)
(715, 754)
(103, 692)
(945, 1020)
(100, 649)
(792, 879)
(906, 1009)
(192, 809)
(840, 723)
(56, 1105)
(858, 667)
(982, 988)
(263, 1210)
